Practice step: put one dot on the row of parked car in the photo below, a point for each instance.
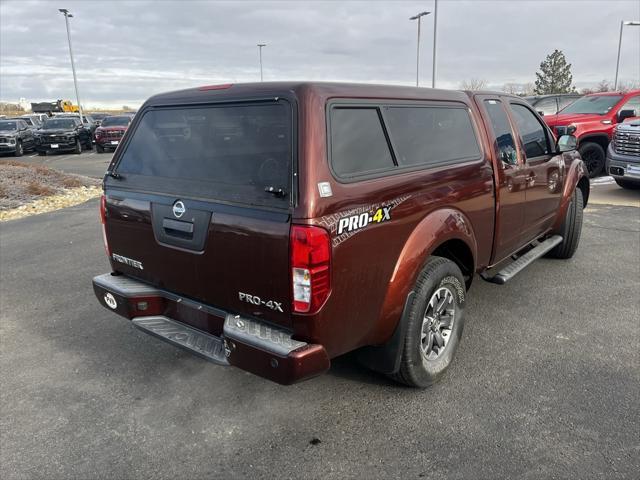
(61, 133)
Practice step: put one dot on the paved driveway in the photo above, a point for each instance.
(545, 383)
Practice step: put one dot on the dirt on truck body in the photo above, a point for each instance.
(275, 226)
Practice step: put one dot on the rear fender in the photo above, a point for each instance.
(435, 229)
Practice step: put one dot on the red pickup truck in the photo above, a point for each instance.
(592, 120)
(275, 226)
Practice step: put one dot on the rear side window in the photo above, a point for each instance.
(431, 135)
(358, 142)
(231, 152)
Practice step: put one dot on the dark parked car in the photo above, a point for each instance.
(15, 137)
(110, 133)
(623, 155)
(62, 133)
(32, 121)
(551, 104)
(98, 117)
(275, 226)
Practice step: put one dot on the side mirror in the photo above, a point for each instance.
(623, 114)
(541, 113)
(567, 143)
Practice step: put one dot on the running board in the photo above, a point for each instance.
(202, 344)
(515, 267)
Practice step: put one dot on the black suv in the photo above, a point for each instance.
(552, 104)
(15, 137)
(63, 134)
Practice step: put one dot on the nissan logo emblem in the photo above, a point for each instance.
(179, 209)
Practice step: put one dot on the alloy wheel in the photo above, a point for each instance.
(437, 323)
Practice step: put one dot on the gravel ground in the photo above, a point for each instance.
(31, 189)
(21, 183)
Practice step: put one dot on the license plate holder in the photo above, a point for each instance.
(114, 142)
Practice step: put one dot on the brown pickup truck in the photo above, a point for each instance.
(275, 226)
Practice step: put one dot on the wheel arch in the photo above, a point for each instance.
(445, 232)
(601, 139)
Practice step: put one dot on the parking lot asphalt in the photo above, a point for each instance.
(89, 163)
(545, 384)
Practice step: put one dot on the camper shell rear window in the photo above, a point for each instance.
(232, 152)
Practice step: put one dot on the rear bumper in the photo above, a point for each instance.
(106, 142)
(216, 335)
(619, 166)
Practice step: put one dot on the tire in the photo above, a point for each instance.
(78, 148)
(593, 157)
(99, 148)
(440, 280)
(42, 153)
(89, 146)
(19, 150)
(571, 228)
(627, 184)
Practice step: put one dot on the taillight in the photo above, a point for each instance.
(310, 267)
(103, 221)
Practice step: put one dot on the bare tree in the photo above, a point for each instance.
(528, 89)
(604, 86)
(512, 88)
(473, 84)
(627, 86)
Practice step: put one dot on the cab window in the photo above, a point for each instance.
(505, 144)
(533, 134)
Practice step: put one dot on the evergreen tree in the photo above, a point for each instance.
(554, 75)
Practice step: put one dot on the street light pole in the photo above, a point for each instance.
(622, 24)
(418, 17)
(260, 45)
(67, 15)
(435, 33)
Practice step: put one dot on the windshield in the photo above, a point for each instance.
(236, 153)
(59, 123)
(116, 121)
(28, 121)
(598, 104)
(7, 125)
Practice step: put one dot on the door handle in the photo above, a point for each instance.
(184, 227)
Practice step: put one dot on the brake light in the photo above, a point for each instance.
(310, 267)
(103, 221)
(222, 86)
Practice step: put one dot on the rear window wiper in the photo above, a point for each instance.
(278, 192)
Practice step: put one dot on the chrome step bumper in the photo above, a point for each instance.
(260, 348)
(200, 343)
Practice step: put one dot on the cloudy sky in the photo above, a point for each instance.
(128, 50)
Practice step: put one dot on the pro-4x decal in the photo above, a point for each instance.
(344, 225)
(355, 222)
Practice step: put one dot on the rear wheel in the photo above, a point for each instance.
(78, 148)
(627, 184)
(435, 324)
(571, 228)
(593, 157)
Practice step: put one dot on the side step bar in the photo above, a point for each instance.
(511, 270)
